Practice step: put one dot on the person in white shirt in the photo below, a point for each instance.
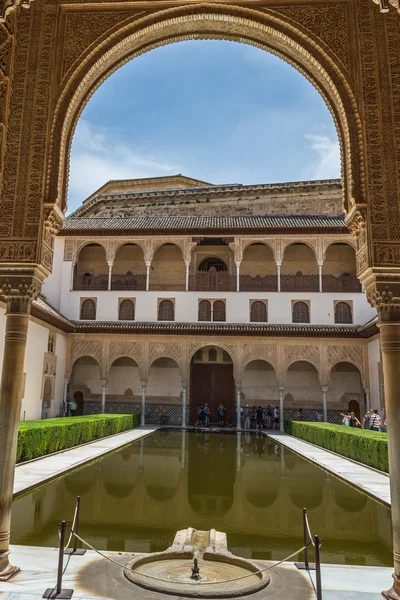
(276, 417)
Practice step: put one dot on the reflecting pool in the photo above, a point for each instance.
(244, 484)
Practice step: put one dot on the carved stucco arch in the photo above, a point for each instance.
(140, 243)
(229, 348)
(268, 243)
(157, 244)
(307, 360)
(359, 367)
(350, 242)
(266, 30)
(313, 244)
(73, 360)
(80, 246)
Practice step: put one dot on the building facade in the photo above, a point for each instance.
(170, 292)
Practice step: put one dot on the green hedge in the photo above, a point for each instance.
(37, 438)
(365, 446)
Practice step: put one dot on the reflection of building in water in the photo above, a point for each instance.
(138, 498)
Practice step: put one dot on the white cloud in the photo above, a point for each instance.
(326, 162)
(98, 155)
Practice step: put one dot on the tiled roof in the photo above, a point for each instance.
(302, 330)
(197, 223)
(56, 317)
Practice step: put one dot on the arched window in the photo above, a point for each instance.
(343, 313)
(212, 355)
(225, 357)
(166, 310)
(219, 311)
(198, 356)
(47, 392)
(126, 311)
(88, 310)
(300, 313)
(205, 310)
(258, 312)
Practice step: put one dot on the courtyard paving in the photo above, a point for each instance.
(374, 483)
(92, 577)
(33, 473)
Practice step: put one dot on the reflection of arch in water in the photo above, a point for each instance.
(118, 476)
(81, 482)
(162, 478)
(306, 485)
(261, 479)
(348, 498)
(211, 475)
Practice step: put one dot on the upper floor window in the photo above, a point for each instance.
(204, 310)
(219, 313)
(166, 310)
(343, 313)
(126, 310)
(212, 355)
(300, 313)
(258, 312)
(88, 310)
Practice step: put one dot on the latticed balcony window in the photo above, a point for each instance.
(88, 310)
(343, 313)
(126, 310)
(300, 314)
(166, 311)
(225, 357)
(205, 310)
(212, 355)
(198, 356)
(219, 313)
(258, 312)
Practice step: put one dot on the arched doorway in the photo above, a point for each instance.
(212, 381)
(345, 389)
(78, 397)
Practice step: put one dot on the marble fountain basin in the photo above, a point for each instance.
(222, 574)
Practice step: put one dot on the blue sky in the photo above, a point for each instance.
(219, 111)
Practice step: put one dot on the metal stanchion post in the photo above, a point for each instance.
(58, 592)
(305, 565)
(318, 567)
(74, 550)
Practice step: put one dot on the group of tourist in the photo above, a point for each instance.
(260, 418)
(371, 420)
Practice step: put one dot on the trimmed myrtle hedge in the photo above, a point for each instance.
(37, 438)
(365, 446)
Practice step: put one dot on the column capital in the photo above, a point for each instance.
(386, 300)
(19, 291)
(143, 383)
(103, 383)
(324, 388)
(281, 388)
(110, 263)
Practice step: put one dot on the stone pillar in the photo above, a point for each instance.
(278, 269)
(320, 276)
(103, 396)
(390, 348)
(187, 275)
(72, 276)
(184, 395)
(142, 417)
(65, 399)
(238, 276)
(110, 266)
(367, 401)
(238, 400)
(281, 396)
(148, 266)
(17, 319)
(325, 403)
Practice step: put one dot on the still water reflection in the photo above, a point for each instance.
(246, 485)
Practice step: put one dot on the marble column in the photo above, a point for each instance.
(320, 276)
(110, 266)
(187, 276)
(65, 402)
(103, 396)
(390, 348)
(278, 271)
(148, 267)
(17, 319)
(325, 403)
(281, 396)
(143, 416)
(72, 276)
(238, 276)
(367, 400)
(238, 401)
(184, 396)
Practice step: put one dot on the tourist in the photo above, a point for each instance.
(221, 414)
(366, 420)
(206, 415)
(247, 417)
(319, 416)
(354, 422)
(260, 418)
(277, 418)
(269, 415)
(72, 407)
(346, 419)
(300, 416)
(200, 416)
(375, 421)
(253, 416)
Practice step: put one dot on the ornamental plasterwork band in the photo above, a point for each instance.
(8, 6)
(19, 293)
(384, 5)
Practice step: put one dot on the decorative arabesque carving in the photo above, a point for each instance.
(303, 352)
(117, 349)
(7, 7)
(165, 350)
(267, 352)
(80, 347)
(343, 353)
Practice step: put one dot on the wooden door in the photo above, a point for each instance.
(212, 383)
(78, 397)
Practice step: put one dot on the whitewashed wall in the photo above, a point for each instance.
(374, 358)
